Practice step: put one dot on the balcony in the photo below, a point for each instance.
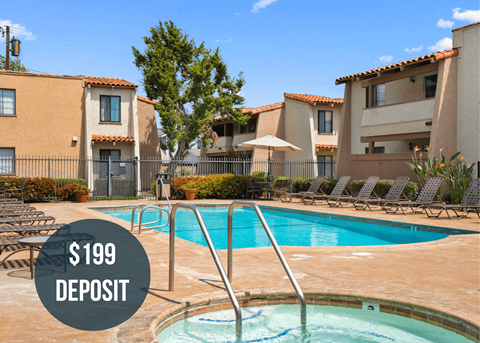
(240, 138)
(224, 145)
(408, 117)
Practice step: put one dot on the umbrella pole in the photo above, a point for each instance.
(268, 173)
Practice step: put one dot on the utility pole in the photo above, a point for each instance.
(7, 56)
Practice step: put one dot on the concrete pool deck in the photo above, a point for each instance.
(442, 275)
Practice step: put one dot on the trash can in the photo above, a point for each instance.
(167, 180)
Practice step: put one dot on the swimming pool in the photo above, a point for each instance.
(289, 227)
(281, 323)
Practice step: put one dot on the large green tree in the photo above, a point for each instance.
(191, 84)
(15, 64)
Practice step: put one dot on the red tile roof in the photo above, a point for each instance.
(148, 101)
(436, 56)
(464, 27)
(107, 81)
(326, 146)
(313, 99)
(121, 139)
(255, 110)
(265, 108)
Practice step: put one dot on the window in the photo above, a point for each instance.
(109, 108)
(325, 165)
(325, 121)
(367, 96)
(219, 129)
(7, 161)
(379, 95)
(7, 101)
(376, 150)
(250, 127)
(430, 85)
(115, 154)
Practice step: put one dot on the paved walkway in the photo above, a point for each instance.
(442, 275)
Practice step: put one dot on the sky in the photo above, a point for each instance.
(281, 46)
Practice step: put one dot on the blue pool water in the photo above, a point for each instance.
(289, 229)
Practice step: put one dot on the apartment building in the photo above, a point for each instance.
(430, 102)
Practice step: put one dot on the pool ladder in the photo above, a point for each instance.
(227, 279)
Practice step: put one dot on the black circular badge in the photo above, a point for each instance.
(92, 275)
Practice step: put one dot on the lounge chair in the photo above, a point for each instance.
(27, 220)
(3, 195)
(365, 193)
(312, 190)
(338, 191)
(29, 229)
(470, 203)
(10, 214)
(395, 193)
(426, 196)
(17, 191)
(16, 207)
(279, 193)
(251, 188)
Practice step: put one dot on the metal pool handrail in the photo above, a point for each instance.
(164, 191)
(241, 203)
(141, 217)
(231, 295)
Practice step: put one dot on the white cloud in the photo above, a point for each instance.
(469, 15)
(228, 40)
(17, 30)
(223, 40)
(218, 40)
(261, 4)
(442, 44)
(386, 59)
(445, 23)
(238, 14)
(417, 49)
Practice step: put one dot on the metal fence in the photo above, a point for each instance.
(133, 177)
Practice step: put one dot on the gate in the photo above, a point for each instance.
(114, 177)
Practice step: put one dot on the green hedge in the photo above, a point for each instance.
(214, 186)
(36, 188)
(383, 186)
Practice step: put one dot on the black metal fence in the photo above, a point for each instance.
(133, 177)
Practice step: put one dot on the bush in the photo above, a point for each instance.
(67, 192)
(217, 186)
(64, 182)
(36, 188)
(301, 184)
(383, 186)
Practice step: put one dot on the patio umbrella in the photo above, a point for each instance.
(271, 143)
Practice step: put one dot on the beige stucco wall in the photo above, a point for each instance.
(299, 126)
(404, 90)
(357, 105)
(270, 123)
(397, 119)
(147, 130)
(49, 112)
(326, 138)
(125, 127)
(468, 90)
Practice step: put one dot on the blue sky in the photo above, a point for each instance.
(280, 45)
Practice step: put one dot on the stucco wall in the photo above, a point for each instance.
(49, 112)
(125, 127)
(270, 123)
(147, 130)
(358, 103)
(404, 90)
(299, 126)
(325, 138)
(468, 90)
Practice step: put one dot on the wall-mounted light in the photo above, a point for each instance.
(412, 79)
(114, 143)
(93, 142)
(74, 139)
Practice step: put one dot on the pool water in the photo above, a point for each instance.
(289, 229)
(326, 324)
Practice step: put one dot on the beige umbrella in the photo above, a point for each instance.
(271, 143)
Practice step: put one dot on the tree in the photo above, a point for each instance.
(190, 83)
(15, 64)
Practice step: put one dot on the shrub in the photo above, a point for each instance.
(263, 175)
(67, 192)
(62, 182)
(36, 188)
(383, 186)
(301, 184)
(218, 186)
